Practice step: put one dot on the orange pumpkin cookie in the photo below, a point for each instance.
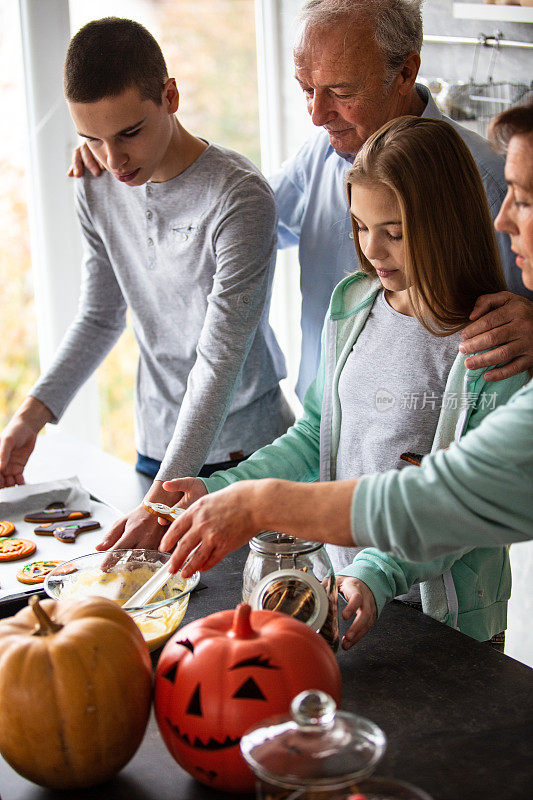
(11, 549)
(36, 571)
(6, 527)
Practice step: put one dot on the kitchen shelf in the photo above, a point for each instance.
(493, 12)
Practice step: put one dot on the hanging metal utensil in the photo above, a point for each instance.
(488, 98)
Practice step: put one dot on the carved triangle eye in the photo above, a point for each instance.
(250, 691)
(195, 706)
(170, 675)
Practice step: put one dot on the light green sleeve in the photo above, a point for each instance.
(387, 576)
(475, 494)
(490, 396)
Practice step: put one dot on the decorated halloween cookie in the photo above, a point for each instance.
(66, 531)
(36, 571)
(55, 512)
(12, 549)
(6, 527)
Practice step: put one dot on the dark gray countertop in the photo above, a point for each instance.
(458, 715)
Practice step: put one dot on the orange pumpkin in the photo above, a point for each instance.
(75, 686)
(224, 673)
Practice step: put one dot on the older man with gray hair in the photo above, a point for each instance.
(356, 62)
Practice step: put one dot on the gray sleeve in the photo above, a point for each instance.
(244, 242)
(97, 326)
(475, 494)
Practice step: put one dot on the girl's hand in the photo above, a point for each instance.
(360, 604)
(215, 525)
(192, 488)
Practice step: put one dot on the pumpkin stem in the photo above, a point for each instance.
(46, 625)
(241, 628)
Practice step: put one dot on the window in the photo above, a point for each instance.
(19, 365)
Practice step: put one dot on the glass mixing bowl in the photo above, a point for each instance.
(117, 574)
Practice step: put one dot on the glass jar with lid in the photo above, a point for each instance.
(294, 576)
(315, 753)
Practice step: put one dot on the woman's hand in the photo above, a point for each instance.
(215, 525)
(360, 604)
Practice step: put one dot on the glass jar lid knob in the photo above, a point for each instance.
(313, 708)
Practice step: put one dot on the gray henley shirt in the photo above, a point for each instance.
(192, 258)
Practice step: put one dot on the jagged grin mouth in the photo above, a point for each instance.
(211, 744)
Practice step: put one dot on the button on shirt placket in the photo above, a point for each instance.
(150, 230)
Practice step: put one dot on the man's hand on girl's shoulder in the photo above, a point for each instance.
(502, 325)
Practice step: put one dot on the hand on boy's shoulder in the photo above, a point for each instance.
(83, 159)
(502, 325)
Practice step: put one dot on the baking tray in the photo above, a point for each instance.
(14, 594)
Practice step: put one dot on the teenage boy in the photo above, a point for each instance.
(183, 232)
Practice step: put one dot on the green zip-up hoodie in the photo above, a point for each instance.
(467, 590)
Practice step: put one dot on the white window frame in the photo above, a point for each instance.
(55, 239)
(286, 297)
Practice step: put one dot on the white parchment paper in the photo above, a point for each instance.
(17, 501)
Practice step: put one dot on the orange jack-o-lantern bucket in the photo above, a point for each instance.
(222, 674)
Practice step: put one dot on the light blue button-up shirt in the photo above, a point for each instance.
(313, 214)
